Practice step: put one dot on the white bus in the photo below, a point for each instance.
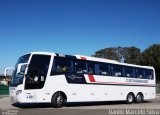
(43, 77)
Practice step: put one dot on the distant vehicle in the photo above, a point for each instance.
(42, 77)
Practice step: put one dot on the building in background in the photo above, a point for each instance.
(5, 80)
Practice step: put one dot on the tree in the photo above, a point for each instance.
(121, 54)
(151, 57)
(108, 53)
(132, 55)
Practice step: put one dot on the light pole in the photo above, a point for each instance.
(6, 69)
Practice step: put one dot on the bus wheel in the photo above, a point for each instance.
(130, 98)
(139, 98)
(58, 100)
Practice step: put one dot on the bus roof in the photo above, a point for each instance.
(91, 59)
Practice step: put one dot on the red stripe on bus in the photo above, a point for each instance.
(83, 58)
(91, 78)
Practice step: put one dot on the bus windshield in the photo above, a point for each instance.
(37, 71)
(18, 78)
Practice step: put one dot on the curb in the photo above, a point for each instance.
(4, 96)
(157, 95)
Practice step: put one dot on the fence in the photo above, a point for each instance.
(158, 88)
(4, 90)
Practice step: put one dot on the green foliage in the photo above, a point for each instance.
(121, 54)
(133, 55)
(151, 57)
(109, 53)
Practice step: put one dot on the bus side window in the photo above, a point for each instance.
(91, 68)
(97, 69)
(104, 69)
(148, 74)
(140, 73)
(61, 66)
(117, 70)
(129, 72)
(81, 67)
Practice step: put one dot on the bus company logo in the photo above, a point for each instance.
(73, 77)
(136, 81)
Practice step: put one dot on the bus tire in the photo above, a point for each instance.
(139, 98)
(58, 100)
(130, 98)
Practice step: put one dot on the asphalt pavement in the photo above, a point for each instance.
(96, 108)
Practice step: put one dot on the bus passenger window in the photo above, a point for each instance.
(104, 69)
(140, 73)
(148, 74)
(79, 70)
(61, 66)
(91, 68)
(117, 70)
(58, 68)
(129, 72)
(80, 67)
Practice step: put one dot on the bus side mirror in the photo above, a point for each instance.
(21, 68)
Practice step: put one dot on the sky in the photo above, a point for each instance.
(75, 26)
